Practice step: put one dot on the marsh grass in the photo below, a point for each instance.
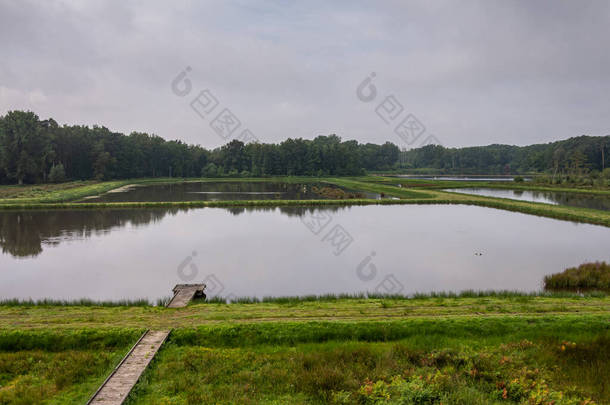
(586, 277)
(292, 300)
(453, 368)
(163, 301)
(54, 367)
(39, 377)
(290, 333)
(76, 339)
(82, 302)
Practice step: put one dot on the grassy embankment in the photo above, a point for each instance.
(50, 367)
(507, 185)
(417, 194)
(494, 348)
(33, 195)
(499, 182)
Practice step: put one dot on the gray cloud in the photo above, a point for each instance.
(474, 72)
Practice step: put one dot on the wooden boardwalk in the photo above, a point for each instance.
(117, 386)
(184, 293)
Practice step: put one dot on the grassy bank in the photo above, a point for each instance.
(423, 184)
(54, 193)
(50, 367)
(293, 310)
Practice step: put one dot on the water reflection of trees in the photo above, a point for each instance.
(597, 202)
(23, 233)
(580, 200)
(571, 199)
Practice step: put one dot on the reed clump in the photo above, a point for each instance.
(587, 276)
(336, 193)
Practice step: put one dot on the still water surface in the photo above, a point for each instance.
(458, 178)
(598, 202)
(137, 253)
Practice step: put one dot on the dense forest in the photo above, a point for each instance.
(34, 151)
(577, 156)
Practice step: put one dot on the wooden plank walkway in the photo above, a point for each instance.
(117, 386)
(184, 293)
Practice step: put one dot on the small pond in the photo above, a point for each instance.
(458, 178)
(598, 202)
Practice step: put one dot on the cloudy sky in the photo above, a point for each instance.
(472, 72)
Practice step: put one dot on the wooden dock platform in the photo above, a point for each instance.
(117, 386)
(184, 293)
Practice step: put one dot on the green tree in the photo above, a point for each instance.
(210, 170)
(102, 160)
(23, 147)
(57, 174)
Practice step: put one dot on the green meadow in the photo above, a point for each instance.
(444, 348)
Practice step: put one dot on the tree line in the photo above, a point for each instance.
(574, 156)
(34, 151)
(37, 151)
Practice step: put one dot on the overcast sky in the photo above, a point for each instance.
(472, 72)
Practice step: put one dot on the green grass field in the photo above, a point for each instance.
(21, 317)
(488, 349)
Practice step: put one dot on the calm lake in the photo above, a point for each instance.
(598, 202)
(142, 253)
(220, 191)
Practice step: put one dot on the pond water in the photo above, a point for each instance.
(218, 191)
(598, 202)
(459, 178)
(142, 253)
